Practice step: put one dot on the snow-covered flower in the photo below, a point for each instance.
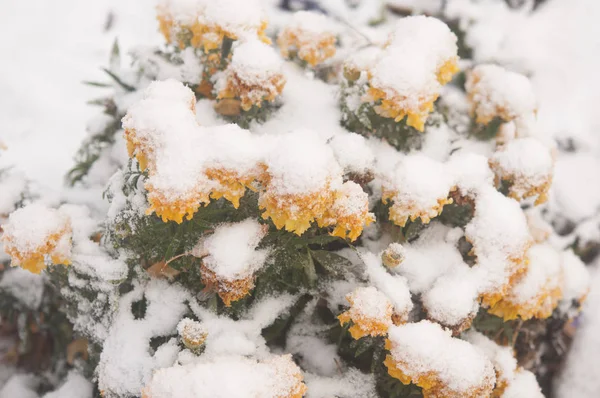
(34, 233)
(527, 166)
(349, 212)
(537, 292)
(302, 178)
(205, 24)
(192, 333)
(500, 237)
(230, 259)
(253, 76)
(419, 188)
(510, 378)
(393, 255)
(495, 92)
(310, 36)
(370, 313)
(219, 377)
(406, 80)
(425, 354)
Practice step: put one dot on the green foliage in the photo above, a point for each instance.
(367, 122)
(95, 144)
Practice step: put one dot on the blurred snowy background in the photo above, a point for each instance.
(50, 47)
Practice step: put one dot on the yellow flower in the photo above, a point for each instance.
(391, 105)
(447, 71)
(309, 36)
(515, 268)
(142, 152)
(253, 76)
(295, 212)
(419, 187)
(411, 360)
(527, 166)
(204, 27)
(401, 212)
(536, 293)
(289, 375)
(370, 313)
(252, 94)
(495, 92)
(175, 207)
(34, 233)
(276, 377)
(393, 255)
(420, 57)
(228, 290)
(192, 333)
(349, 212)
(230, 185)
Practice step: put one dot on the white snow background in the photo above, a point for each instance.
(48, 47)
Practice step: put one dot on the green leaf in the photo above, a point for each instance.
(321, 240)
(332, 262)
(115, 55)
(362, 345)
(96, 84)
(118, 80)
(309, 269)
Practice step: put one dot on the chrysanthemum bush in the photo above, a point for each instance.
(299, 209)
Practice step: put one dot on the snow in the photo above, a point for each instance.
(395, 287)
(20, 385)
(452, 300)
(553, 45)
(248, 16)
(501, 357)
(352, 153)
(576, 278)
(227, 337)
(126, 363)
(13, 186)
(224, 377)
(471, 172)
(367, 304)
(579, 377)
(231, 251)
(523, 385)
(312, 25)
(44, 130)
(301, 163)
(352, 384)
(427, 258)
(75, 386)
(254, 62)
(24, 286)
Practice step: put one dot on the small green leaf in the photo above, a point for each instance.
(363, 345)
(118, 80)
(115, 56)
(96, 84)
(309, 269)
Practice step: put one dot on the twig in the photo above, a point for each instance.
(344, 22)
(176, 257)
(516, 332)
